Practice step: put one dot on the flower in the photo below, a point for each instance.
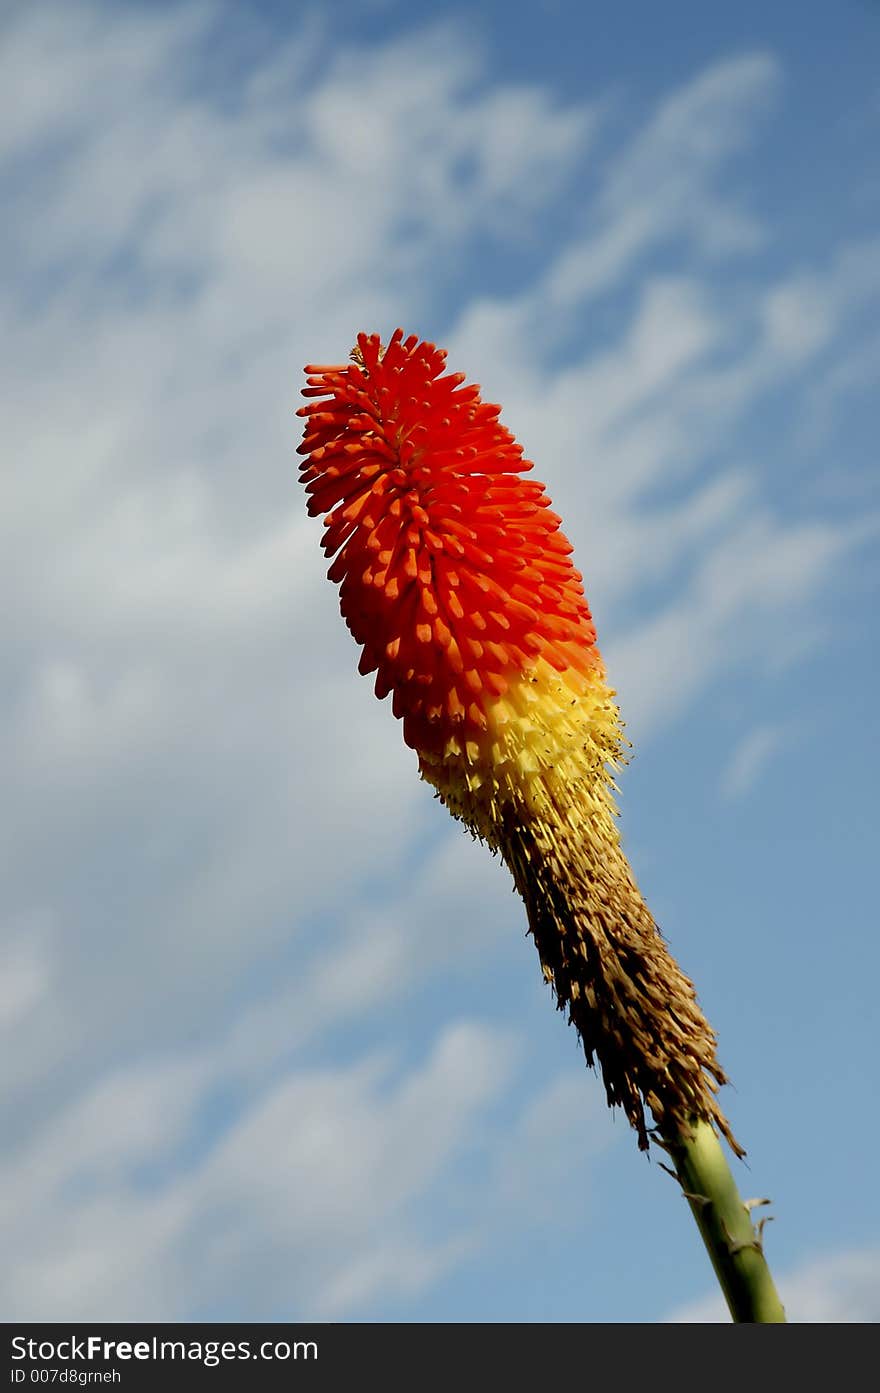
(457, 581)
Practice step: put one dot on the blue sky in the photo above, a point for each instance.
(274, 1042)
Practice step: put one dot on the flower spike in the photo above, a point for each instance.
(457, 582)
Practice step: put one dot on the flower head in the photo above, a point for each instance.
(454, 574)
(458, 583)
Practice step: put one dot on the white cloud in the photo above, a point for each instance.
(308, 1200)
(453, 915)
(180, 746)
(663, 184)
(24, 970)
(749, 759)
(557, 1133)
(306, 1203)
(841, 1288)
(725, 620)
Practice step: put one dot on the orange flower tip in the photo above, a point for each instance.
(477, 717)
(455, 577)
(368, 662)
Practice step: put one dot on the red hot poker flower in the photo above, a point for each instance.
(457, 582)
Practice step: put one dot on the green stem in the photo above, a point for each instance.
(731, 1239)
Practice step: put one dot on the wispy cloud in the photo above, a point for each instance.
(665, 184)
(749, 759)
(306, 1201)
(840, 1288)
(343, 1153)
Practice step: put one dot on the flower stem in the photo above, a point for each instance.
(733, 1242)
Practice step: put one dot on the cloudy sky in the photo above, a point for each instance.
(274, 1044)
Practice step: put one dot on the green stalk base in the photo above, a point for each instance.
(725, 1223)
